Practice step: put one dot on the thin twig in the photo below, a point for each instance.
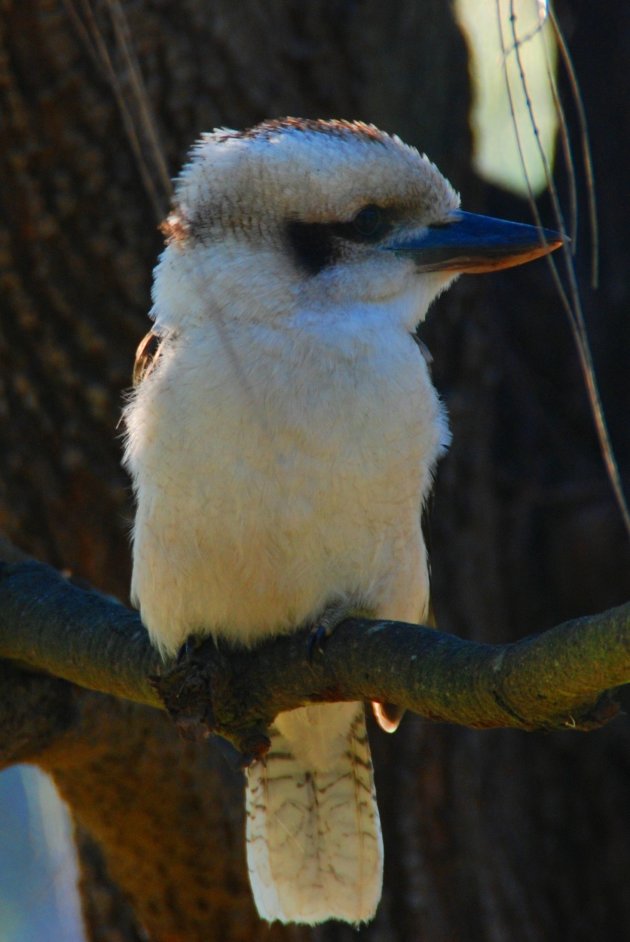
(572, 302)
(147, 117)
(586, 148)
(92, 37)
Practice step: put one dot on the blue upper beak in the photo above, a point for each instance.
(467, 242)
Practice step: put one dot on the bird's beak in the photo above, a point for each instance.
(470, 243)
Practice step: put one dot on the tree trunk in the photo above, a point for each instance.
(488, 836)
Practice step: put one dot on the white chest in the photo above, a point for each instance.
(274, 474)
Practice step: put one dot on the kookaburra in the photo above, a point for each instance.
(282, 438)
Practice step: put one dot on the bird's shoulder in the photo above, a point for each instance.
(424, 350)
(147, 356)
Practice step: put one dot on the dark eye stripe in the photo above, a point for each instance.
(312, 245)
(315, 245)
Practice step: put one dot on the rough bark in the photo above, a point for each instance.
(489, 836)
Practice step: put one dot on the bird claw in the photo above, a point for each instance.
(185, 652)
(320, 632)
(317, 638)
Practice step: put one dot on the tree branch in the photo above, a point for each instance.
(555, 680)
(51, 625)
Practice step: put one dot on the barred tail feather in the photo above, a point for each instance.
(314, 846)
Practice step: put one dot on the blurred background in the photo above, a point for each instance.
(524, 527)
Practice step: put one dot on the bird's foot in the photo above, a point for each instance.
(322, 630)
(186, 651)
(199, 692)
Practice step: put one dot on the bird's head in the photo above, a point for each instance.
(321, 217)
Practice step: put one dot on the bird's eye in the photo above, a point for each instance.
(369, 222)
(317, 245)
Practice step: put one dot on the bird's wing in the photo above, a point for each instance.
(147, 356)
(424, 350)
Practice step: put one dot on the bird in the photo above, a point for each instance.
(282, 438)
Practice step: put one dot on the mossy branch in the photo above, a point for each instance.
(555, 680)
